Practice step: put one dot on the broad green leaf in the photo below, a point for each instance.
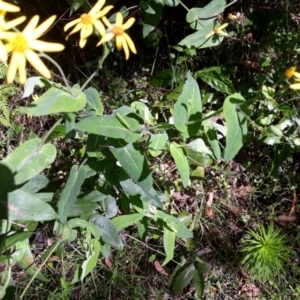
(28, 265)
(30, 85)
(77, 222)
(188, 107)
(169, 243)
(70, 192)
(202, 16)
(110, 207)
(198, 281)
(237, 125)
(181, 162)
(157, 143)
(181, 231)
(217, 80)
(94, 101)
(149, 196)
(182, 278)
(171, 3)
(212, 140)
(28, 160)
(198, 39)
(82, 206)
(90, 263)
(35, 184)
(197, 158)
(28, 207)
(122, 222)
(134, 163)
(152, 20)
(111, 126)
(7, 241)
(147, 8)
(56, 101)
(108, 231)
(143, 111)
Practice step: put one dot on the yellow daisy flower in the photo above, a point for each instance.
(88, 21)
(22, 45)
(6, 26)
(7, 7)
(290, 72)
(218, 30)
(117, 31)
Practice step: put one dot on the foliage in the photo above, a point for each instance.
(265, 251)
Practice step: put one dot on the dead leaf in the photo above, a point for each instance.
(251, 290)
(294, 203)
(159, 268)
(180, 197)
(108, 263)
(209, 212)
(210, 199)
(285, 218)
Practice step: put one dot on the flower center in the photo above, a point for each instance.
(216, 30)
(117, 30)
(20, 43)
(86, 19)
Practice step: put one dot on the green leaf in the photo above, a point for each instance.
(70, 192)
(212, 140)
(171, 3)
(122, 222)
(28, 265)
(237, 125)
(90, 263)
(111, 126)
(182, 278)
(35, 184)
(198, 39)
(7, 241)
(169, 243)
(134, 163)
(82, 206)
(218, 81)
(181, 162)
(108, 231)
(56, 101)
(24, 206)
(110, 207)
(28, 160)
(157, 143)
(202, 16)
(188, 107)
(94, 101)
(198, 280)
(152, 20)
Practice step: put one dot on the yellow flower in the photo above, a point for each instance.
(7, 7)
(88, 21)
(6, 26)
(290, 72)
(22, 45)
(117, 31)
(218, 30)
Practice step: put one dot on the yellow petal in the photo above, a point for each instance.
(86, 31)
(296, 74)
(37, 63)
(96, 7)
(129, 42)
(223, 26)
(290, 72)
(71, 24)
(14, 23)
(103, 12)
(106, 38)
(221, 32)
(295, 86)
(3, 53)
(9, 7)
(119, 19)
(125, 47)
(45, 46)
(210, 34)
(22, 69)
(128, 23)
(100, 27)
(42, 28)
(82, 43)
(107, 23)
(13, 66)
(7, 35)
(78, 27)
(31, 25)
(119, 42)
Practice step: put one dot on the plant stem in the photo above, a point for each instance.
(60, 71)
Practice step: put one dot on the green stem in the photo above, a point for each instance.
(230, 3)
(39, 269)
(60, 71)
(184, 6)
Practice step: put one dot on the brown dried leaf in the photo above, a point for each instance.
(159, 268)
(209, 212)
(180, 197)
(108, 263)
(251, 290)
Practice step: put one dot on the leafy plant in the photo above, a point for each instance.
(264, 252)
